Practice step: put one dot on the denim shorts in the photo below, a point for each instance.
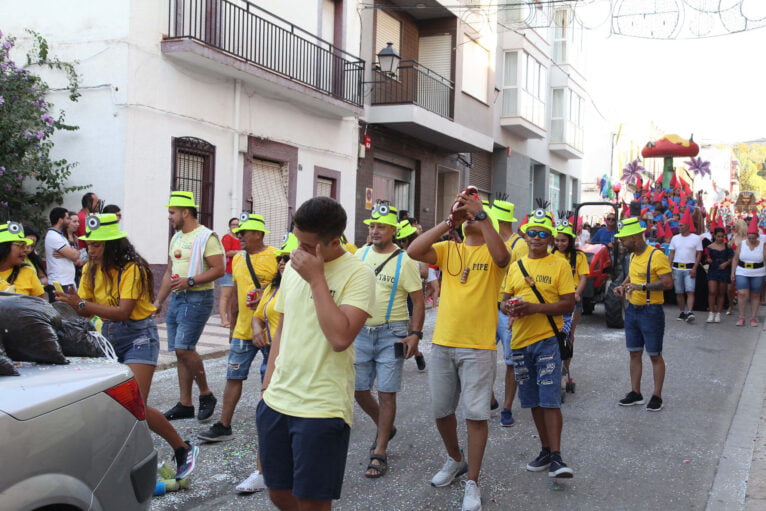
(538, 374)
(754, 284)
(241, 355)
(644, 328)
(683, 281)
(188, 313)
(307, 456)
(226, 281)
(466, 371)
(374, 357)
(578, 306)
(134, 341)
(504, 335)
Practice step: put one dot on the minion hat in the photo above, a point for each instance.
(629, 227)
(13, 231)
(503, 211)
(289, 243)
(539, 219)
(405, 230)
(250, 222)
(563, 226)
(181, 200)
(383, 213)
(103, 228)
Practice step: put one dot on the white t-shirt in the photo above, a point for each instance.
(59, 269)
(686, 248)
(707, 236)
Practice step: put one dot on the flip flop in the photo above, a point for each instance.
(381, 467)
(375, 442)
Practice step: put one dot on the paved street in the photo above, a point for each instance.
(623, 458)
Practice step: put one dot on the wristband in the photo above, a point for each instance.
(416, 332)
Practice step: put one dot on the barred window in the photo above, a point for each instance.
(194, 171)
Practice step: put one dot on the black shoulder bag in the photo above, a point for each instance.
(252, 271)
(566, 348)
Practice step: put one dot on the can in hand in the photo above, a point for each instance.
(174, 276)
(513, 301)
(253, 297)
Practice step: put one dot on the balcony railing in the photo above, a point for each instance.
(415, 84)
(246, 31)
(518, 102)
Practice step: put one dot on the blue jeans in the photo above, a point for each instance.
(645, 328)
(187, 316)
(134, 341)
(683, 281)
(538, 373)
(753, 284)
(241, 355)
(504, 335)
(374, 357)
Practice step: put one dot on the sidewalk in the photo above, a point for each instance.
(214, 343)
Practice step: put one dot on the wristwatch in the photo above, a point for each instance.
(81, 305)
(481, 215)
(416, 332)
(190, 282)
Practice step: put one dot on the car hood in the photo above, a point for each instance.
(42, 388)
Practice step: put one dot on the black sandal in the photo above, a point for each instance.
(381, 467)
(375, 442)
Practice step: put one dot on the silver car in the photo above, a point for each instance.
(74, 437)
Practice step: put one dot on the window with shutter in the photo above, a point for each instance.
(481, 173)
(270, 182)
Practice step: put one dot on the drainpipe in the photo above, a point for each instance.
(236, 200)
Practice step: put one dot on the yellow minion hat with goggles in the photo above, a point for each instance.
(563, 226)
(250, 222)
(503, 211)
(539, 219)
(180, 199)
(289, 243)
(629, 227)
(405, 230)
(12, 232)
(383, 213)
(103, 227)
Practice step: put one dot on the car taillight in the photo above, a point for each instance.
(129, 396)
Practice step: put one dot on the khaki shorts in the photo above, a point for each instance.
(453, 372)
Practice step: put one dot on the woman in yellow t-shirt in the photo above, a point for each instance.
(15, 275)
(118, 286)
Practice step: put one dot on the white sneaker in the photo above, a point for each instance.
(717, 318)
(450, 471)
(252, 484)
(710, 317)
(471, 497)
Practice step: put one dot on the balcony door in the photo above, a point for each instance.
(434, 73)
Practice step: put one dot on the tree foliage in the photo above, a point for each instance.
(752, 167)
(30, 181)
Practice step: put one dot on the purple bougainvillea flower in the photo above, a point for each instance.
(39, 135)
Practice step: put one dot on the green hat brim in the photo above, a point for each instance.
(245, 228)
(383, 221)
(630, 232)
(25, 240)
(547, 225)
(406, 232)
(182, 204)
(566, 230)
(103, 236)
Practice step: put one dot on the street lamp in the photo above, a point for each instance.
(388, 60)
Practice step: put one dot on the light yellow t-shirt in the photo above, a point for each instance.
(518, 248)
(660, 266)
(26, 282)
(311, 380)
(129, 289)
(267, 311)
(467, 315)
(180, 252)
(581, 265)
(409, 282)
(553, 278)
(265, 267)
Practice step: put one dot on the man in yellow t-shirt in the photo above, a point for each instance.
(464, 351)
(396, 277)
(536, 356)
(648, 276)
(305, 416)
(195, 261)
(242, 351)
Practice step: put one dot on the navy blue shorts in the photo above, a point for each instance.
(307, 456)
(644, 328)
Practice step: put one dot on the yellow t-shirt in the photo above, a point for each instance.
(265, 267)
(267, 311)
(26, 282)
(581, 265)
(517, 249)
(660, 266)
(553, 278)
(180, 253)
(409, 281)
(467, 315)
(311, 380)
(129, 289)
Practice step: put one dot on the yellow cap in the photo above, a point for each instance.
(405, 230)
(628, 227)
(504, 211)
(289, 243)
(539, 219)
(383, 213)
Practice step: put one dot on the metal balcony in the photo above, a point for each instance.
(415, 84)
(254, 36)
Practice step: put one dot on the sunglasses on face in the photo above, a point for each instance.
(538, 234)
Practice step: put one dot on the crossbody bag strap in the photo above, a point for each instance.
(541, 300)
(383, 264)
(252, 271)
(394, 285)
(366, 251)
